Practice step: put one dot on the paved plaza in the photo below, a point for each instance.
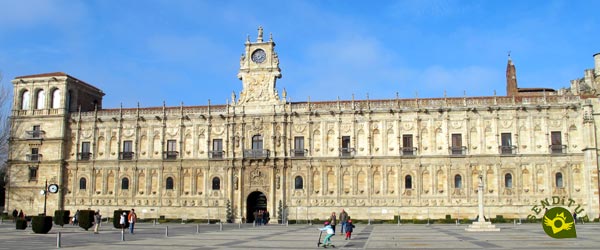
(233, 236)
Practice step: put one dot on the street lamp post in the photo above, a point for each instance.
(45, 192)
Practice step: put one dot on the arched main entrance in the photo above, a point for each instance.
(256, 201)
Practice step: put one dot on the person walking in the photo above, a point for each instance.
(132, 218)
(122, 221)
(76, 218)
(15, 213)
(343, 219)
(21, 215)
(266, 217)
(97, 221)
(333, 221)
(575, 217)
(349, 228)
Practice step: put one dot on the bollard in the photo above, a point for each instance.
(240, 224)
(220, 226)
(1, 220)
(154, 222)
(287, 223)
(197, 228)
(167, 231)
(122, 234)
(254, 224)
(58, 240)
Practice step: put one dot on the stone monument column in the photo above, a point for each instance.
(481, 225)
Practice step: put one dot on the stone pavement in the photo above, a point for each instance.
(406, 236)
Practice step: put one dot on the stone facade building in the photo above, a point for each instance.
(417, 158)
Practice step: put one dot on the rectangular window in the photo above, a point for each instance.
(457, 148)
(127, 153)
(34, 156)
(33, 173)
(407, 145)
(257, 142)
(346, 150)
(85, 151)
(556, 142)
(171, 145)
(506, 140)
(217, 152)
(37, 132)
(171, 150)
(127, 146)
(299, 146)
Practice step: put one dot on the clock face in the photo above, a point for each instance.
(259, 56)
(53, 188)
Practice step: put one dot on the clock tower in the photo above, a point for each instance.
(259, 70)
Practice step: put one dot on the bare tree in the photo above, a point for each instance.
(5, 101)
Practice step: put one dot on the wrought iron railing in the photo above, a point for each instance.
(347, 152)
(256, 153)
(458, 150)
(558, 149)
(408, 151)
(126, 156)
(215, 154)
(507, 150)
(84, 156)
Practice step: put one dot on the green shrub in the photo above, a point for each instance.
(21, 224)
(499, 219)
(41, 224)
(86, 219)
(61, 217)
(117, 218)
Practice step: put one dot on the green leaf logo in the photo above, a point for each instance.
(558, 223)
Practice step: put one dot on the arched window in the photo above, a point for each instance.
(25, 100)
(125, 183)
(257, 142)
(56, 98)
(298, 182)
(216, 183)
(559, 180)
(508, 180)
(408, 182)
(40, 102)
(82, 184)
(457, 181)
(169, 184)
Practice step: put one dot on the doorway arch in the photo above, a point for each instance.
(256, 201)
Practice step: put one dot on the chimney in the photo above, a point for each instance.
(597, 63)
(511, 79)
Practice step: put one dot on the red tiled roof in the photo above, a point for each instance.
(43, 75)
(57, 74)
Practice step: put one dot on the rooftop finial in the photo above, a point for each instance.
(270, 37)
(260, 34)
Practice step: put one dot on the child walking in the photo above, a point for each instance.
(349, 228)
(329, 230)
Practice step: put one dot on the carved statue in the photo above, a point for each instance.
(284, 94)
(260, 34)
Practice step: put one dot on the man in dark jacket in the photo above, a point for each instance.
(343, 220)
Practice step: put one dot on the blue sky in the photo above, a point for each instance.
(188, 51)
